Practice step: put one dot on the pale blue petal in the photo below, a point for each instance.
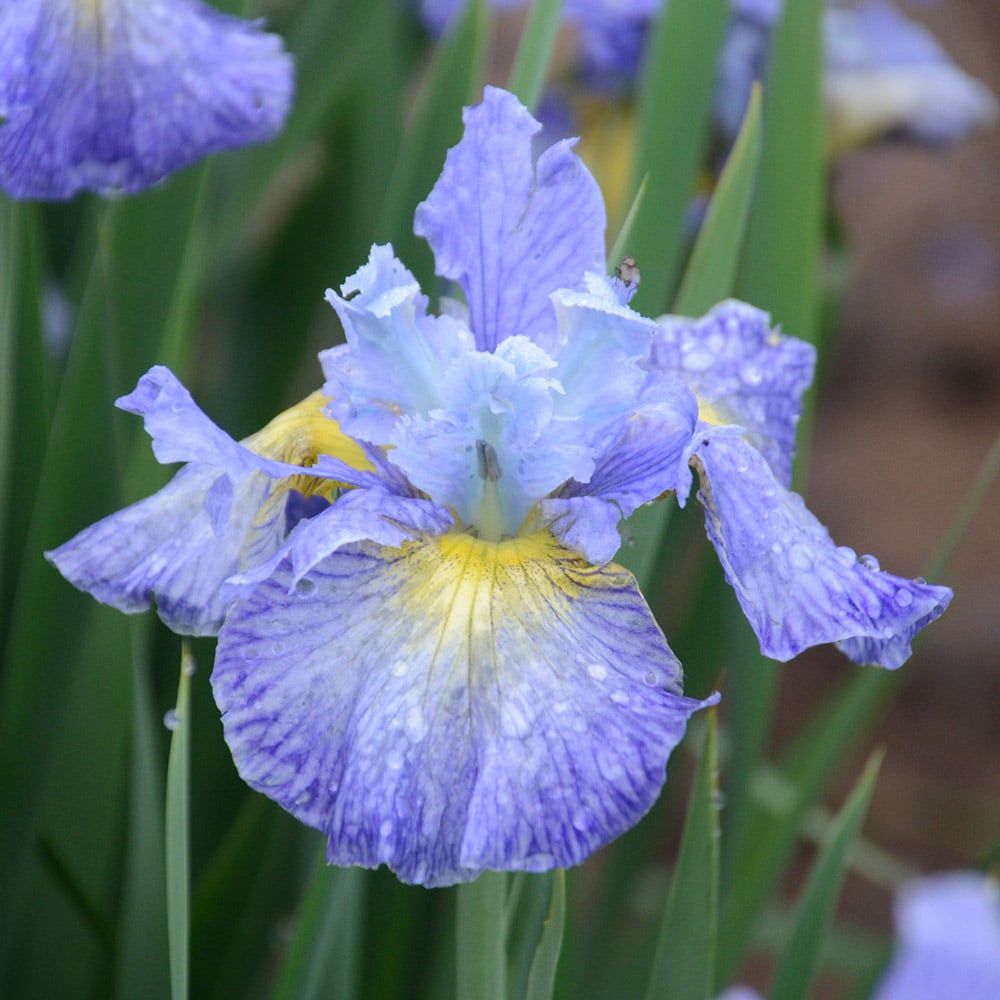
(452, 706)
(795, 586)
(114, 95)
(648, 459)
(508, 231)
(182, 433)
(373, 515)
(176, 546)
(948, 940)
(887, 75)
(746, 372)
(395, 353)
(505, 400)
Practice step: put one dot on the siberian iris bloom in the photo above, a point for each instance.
(884, 74)
(113, 95)
(425, 650)
(947, 942)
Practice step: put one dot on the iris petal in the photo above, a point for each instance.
(224, 512)
(508, 231)
(453, 705)
(742, 372)
(117, 94)
(795, 586)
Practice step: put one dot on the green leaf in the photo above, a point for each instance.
(541, 980)
(801, 956)
(779, 270)
(772, 827)
(531, 63)
(324, 955)
(678, 82)
(143, 960)
(711, 269)
(685, 952)
(177, 832)
(481, 937)
(453, 81)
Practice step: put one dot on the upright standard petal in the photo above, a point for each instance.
(114, 95)
(509, 231)
(795, 586)
(948, 940)
(742, 372)
(453, 705)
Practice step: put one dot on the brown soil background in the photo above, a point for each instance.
(909, 411)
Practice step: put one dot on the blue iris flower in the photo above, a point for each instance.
(113, 95)
(947, 942)
(425, 650)
(885, 75)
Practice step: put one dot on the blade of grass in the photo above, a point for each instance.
(324, 955)
(143, 960)
(177, 836)
(675, 118)
(531, 62)
(481, 937)
(684, 961)
(453, 81)
(711, 270)
(618, 251)
(541, 979)
(780, 264)
(800, 959)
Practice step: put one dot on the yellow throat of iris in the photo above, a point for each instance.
(299, 435)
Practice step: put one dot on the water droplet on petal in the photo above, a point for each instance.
(581, 820)
(904, 598)
(170, 719)
(415, 725)
(651, 678)
(751, 374)
(870, 562)
(598, 671)
(304, 587)
(801, 557)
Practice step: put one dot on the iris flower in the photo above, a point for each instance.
(947, 942)
(113, 95)
(424, 649)
(885, 75)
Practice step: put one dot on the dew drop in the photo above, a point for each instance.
(385, 830)
(776, 548)
(415, 725)
(598, 671)
(801, 557)
(581, 820)
(170, 719)
(870, 562)
(904, 598)
(651, 678)
(619, 697)
(304, 587)
(751, 374)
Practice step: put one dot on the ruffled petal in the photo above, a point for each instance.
(227, 511)
(175, 546)
(453, 705)
(648, 459)
(113, 96)
(795, 586)
(373, 515)
(742, 372)
(511, 232)
(948, 940)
